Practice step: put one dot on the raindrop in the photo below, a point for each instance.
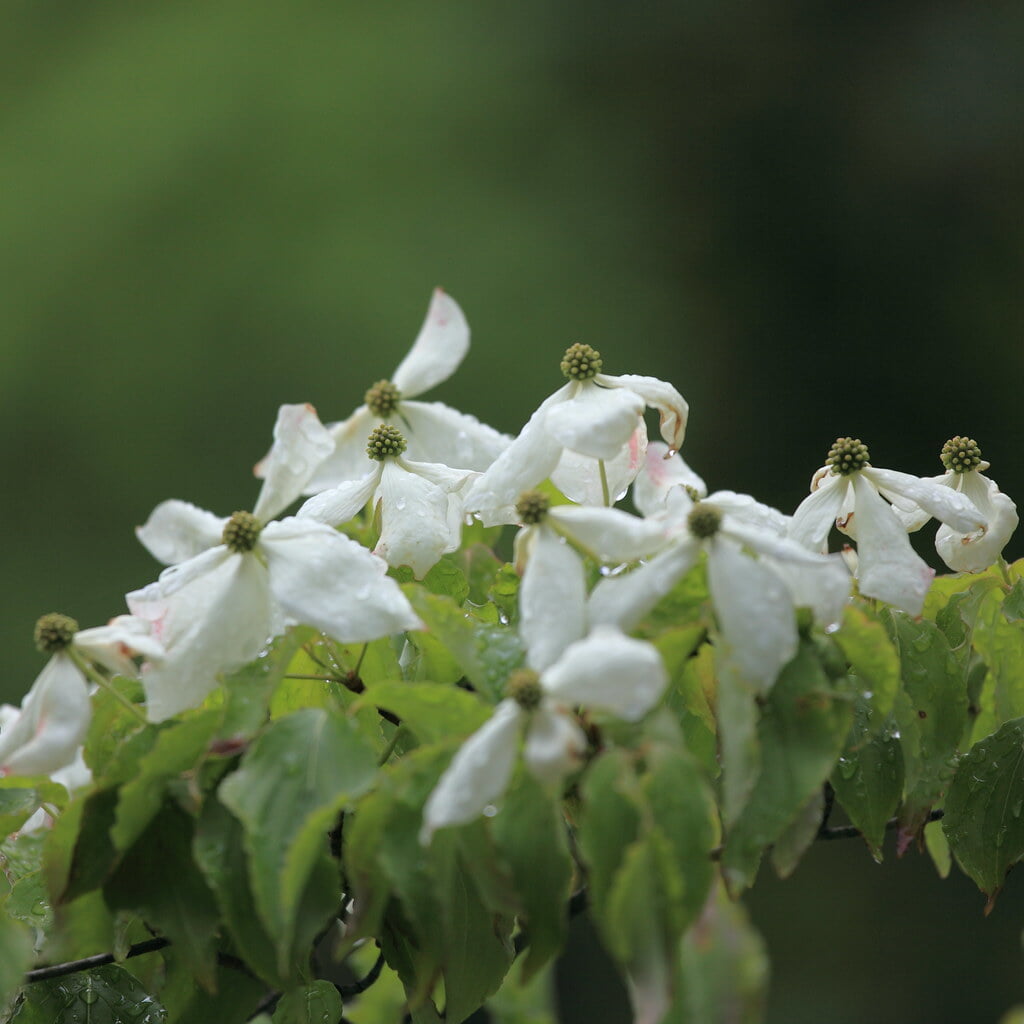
(400, 504)
(490, 811)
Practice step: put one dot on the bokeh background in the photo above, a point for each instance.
(808, 216)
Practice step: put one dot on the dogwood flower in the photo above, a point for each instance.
(435, 432)
(595, 416)
(245, 579)
(662, 471)
(848, 491)
(756, 577)
(977, 550)
(606, 671)
(419, 503)
(46, 733)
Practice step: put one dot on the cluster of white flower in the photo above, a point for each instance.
(418, 470)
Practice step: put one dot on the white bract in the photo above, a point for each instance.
(217, 609)
(605, 671)
(435, 432)
(848, 492)
(595, 423)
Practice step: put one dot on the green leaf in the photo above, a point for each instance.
(15, 955)
(444, 578)
(999, 641)
(184, 910)
(232, 1002)
(529, 1003)
(1013, 603)
(316, 1003)
(692, 686)
(983, 821)
(686, 604)
(246, 693)
(104, 995)
(432, 711)
(288, 792)
(738, 742)
(21, 797)
(938, 848)
(504, 592)
(115, 740)
(802, 729)
(479, 566)
(79, 854)
(795, 841)
(873, 660)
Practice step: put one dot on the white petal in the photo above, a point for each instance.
(440, 346)
(943, 503)
(301, 443)
(659, 474)
(348, 461)
(767, 542)
(478, 775)
(887, 567)
(742, 508)
(609, 534)
(597, 421)
(813, 520)
(437, 433)
(578, 477)
(209, 622)
(440, 475)
(324, 579)
(754, 611)
(552, 599)
(608, 671)
(976, 551)
(415, 520)
(624, 600)
(910, 514)
(115, 644)
(52, 724)
(177, 531)
(340, 504)
(660, 395)
(554, 745)
(528, 460)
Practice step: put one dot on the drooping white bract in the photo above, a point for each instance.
(593, 421)
(47, 732)
(848, 492)
(245, 579)
(605, 671)
(419, 504)
(434, 431)
(662, 471)
(976, 550)
(756, 577)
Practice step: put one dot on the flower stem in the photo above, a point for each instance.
(104, 683)
(604, 484)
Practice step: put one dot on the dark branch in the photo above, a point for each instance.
(347, 991)
(99, 960)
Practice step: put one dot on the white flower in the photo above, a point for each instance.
(976, 550)
(434, 431)
(755, 576)
(848, 491)
(595, 417)
(419, 503)
(604, 671)
(245, 579)
(662, 471)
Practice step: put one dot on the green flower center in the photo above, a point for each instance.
(532, 507)
(524, 688)
(581, 362)
(848, 455)
(241, 532)
(960, 454)
(54, 632)
(704, 520)
(384, 441)
(382, 398)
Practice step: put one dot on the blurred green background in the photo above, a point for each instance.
(808, 216)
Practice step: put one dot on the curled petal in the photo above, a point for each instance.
(597, 421)
(609, 534)
(951, 507)
(554, 745)
(348, 460)
(976, 551)
(478, 775)
(440, 346)
(437, 433)
(340, 504)
(115, 644)
(659, 474)
(812, 521)
(660, 395)
(177, 531)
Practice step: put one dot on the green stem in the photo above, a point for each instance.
(359, 661)
(102, 681)
(604, 484)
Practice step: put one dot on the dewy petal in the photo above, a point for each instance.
(324, 579)
(659, 474)
(554, 745)
(437, 433)
(415, 520)
(975, 552)
(301, 443)
(115, 644)
(552, 599)
(578, 477)
(348, 460)
(624, 600)
(177, 531)
(887, 567)
(754, 612)
(943, 503)
(609, 534)
(209, 621)
(813, 520)
(479, 772)
(440, 346)
(610, 672)
(597, 421)
(52, 724)
(911, 515)
(339, 504)
(672, 407)
(528, 460)
(742, 508)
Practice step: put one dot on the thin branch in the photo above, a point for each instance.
(347, 991)
(88, 962)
